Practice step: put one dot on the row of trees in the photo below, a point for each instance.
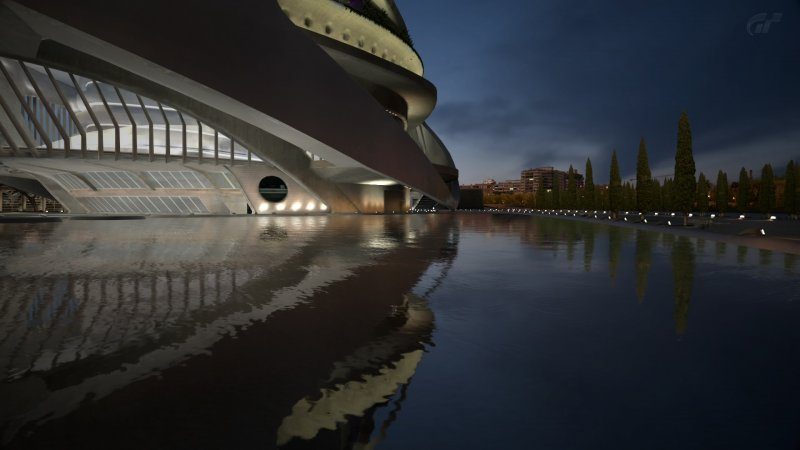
(684, 192)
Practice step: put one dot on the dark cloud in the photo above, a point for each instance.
(552, 82)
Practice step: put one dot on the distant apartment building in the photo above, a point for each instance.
(547, 177)
(486, 186)
(509, 187)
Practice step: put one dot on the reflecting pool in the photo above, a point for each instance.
(464, 331)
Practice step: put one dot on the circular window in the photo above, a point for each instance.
(273, 189)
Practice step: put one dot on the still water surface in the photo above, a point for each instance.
(459, 331)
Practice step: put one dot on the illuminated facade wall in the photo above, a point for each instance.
(87, 102)
(51, 111)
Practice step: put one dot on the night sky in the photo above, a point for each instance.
(526, 83)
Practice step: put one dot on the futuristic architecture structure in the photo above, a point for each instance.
(195, 107)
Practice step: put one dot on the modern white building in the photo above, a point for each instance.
(209, 107)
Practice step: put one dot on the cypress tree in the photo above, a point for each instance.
(790, 204)
(685, 183)
(630, 197)
(588, 190)
(644, 200)
(766, 192)
(722, 192)
(703, 188)
(572, 189)
(655, 195)
(556, 192)
(614, 186)
(541, 195)
(666, 195)
(743, 194)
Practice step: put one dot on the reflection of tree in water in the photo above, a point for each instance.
(789, 262)
(588, 246)
(614, 250)
(571, 230)
(721, 249)
(741, 254)
(683, 275)
(701, 246)
(667, 240)
(765, 257)
(644, 256)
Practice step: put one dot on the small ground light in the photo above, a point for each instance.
(310, 206)
(772, 218)
(323, 207)
(656, 213)
(296, 206)
(673, 214)
(645, 220)
(669, 222)
(713, 216)
(690, 214)
(741, 216)
(763, 233)
(626, 219)
(280, 206)
(264, 207)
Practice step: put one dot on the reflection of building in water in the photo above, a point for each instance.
(250, 322)
(69, 319)
(356, 387)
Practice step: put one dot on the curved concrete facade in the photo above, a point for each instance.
(195, 87)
